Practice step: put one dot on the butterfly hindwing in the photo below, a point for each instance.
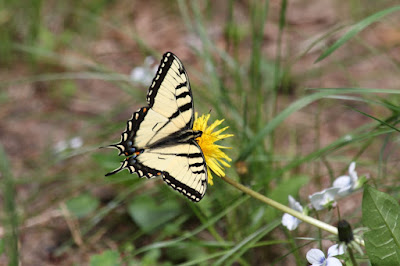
(183, 167)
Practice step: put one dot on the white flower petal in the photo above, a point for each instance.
(333, 262)
(295, 205)
(76, 143)
(61, 146)
(315, 256)
(345, 184)
(290, 222)
(336, 250)
(148, 61)
(342, 181)
(320, 200)
(352, 167)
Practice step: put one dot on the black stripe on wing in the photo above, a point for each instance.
(189, 192)
(166, 62)
(199, 175)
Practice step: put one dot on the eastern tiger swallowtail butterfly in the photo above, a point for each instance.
(159, 139)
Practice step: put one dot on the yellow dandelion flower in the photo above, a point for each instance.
(215, 157)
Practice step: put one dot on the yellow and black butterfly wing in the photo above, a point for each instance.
(182, 166)
(159, 138)
(170, 108)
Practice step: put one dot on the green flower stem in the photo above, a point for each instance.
(305, 218)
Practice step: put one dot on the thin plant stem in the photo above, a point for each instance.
(352, 258)
(305, 218)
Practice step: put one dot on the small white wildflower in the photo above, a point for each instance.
(323, 199)
(76, 143)
(348, 137)
(317, 258)
(60, 146)
(348, 183)
(289, 221)
(144, 74)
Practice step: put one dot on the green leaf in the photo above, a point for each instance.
(356, 28)
(107, 258)
(381, 215)
(148, 214)
(82, 205)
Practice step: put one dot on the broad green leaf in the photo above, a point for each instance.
(356, 28)
(148, 214)
(107, 258)
(381, 214)
(82, 205)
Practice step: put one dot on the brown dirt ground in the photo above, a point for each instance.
(26, 127)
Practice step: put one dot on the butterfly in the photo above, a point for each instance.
(159, 140)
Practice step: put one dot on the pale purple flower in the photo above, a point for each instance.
(347, 183)
(317, 258)
(323, 199)
(289, 221)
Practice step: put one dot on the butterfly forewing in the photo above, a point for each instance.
(170, 94)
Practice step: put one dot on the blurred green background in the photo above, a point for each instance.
(67, 87)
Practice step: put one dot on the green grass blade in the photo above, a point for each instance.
(299, 104)
(217, 217)
(356, 28)
(380, 121)
(247, 243)
(11, 221)
(277, 120)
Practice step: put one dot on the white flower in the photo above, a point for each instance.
(323, 199)
(74, 143)
(289, 221)
(347, 183)
(144, 74)
(317, 258)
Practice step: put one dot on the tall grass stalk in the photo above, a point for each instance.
(11, 217)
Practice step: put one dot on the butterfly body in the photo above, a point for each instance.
(159, 139)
